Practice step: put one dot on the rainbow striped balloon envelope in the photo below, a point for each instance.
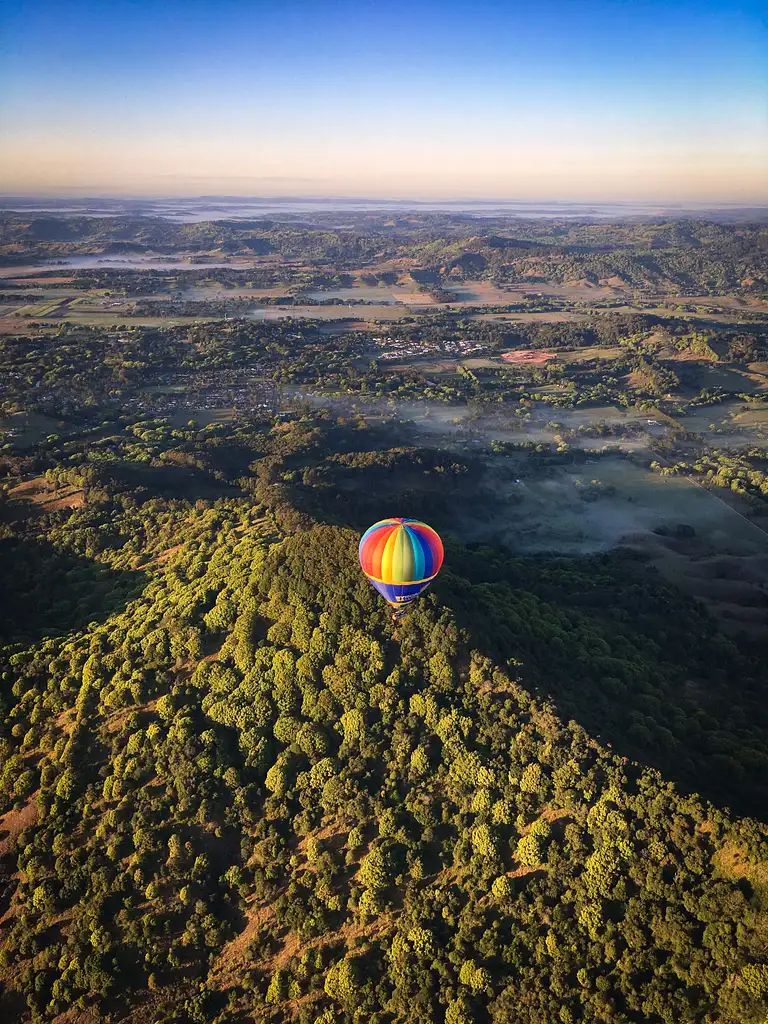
(400, 557)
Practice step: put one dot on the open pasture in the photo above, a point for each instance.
(482, 293)
(558, 510)
(328, 312)
(378, 294)
(109, 319)
(587, 355)
(562, 316)
(46, 498)
(41, 281)
(748, 302)
(203, 417)
(753, 416)
(29, 429)
(426, 365)
(700, 374)
(528, 356)
(482, 363)
(413, 298)
(665, 308)
(718, 557)
(203, 291)
(576, 291)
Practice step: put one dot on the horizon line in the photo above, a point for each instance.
(80, 194)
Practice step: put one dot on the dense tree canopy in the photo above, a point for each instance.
(243, 793)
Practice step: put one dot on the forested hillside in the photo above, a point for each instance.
(234, 790)
(663, 255)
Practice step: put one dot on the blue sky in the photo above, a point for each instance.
(519, 100)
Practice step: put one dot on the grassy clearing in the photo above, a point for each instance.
(731, 861)
(203, 417)
(31, 428)
(546, 317)
(709, 375)
(482, 293)
(48, 499)
(111, 319)
(752, 417)
(586, 355)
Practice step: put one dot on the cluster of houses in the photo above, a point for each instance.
(396, 349)
(245, 391)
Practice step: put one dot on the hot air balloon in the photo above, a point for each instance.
(400, 557)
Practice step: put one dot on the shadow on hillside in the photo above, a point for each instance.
(357, 496)
(640, 666)
(47, 592)
(182, 482)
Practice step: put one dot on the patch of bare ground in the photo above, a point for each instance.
(230, 960)
(551, 814)
(90, 1015)
(328, 830)
(48, 499)
(638, 379)
(349, 935)
(117, 718)
(549, 316)
(293, 1006)
(521, 870)
(234, 957)
(731, 861)
(13, 821)
(65, 718)
(164, 556)
(213, 656)
(414, 298)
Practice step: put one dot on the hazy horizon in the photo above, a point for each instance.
(84, 194)
(589, 101)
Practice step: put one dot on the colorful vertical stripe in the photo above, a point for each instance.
(400, 557)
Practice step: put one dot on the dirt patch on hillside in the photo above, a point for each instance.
(329, 830)
(163, 556)
(731, 861)
(13, 821)
(522, 870)
(348, 934)
(46, 498)
(230, 960)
